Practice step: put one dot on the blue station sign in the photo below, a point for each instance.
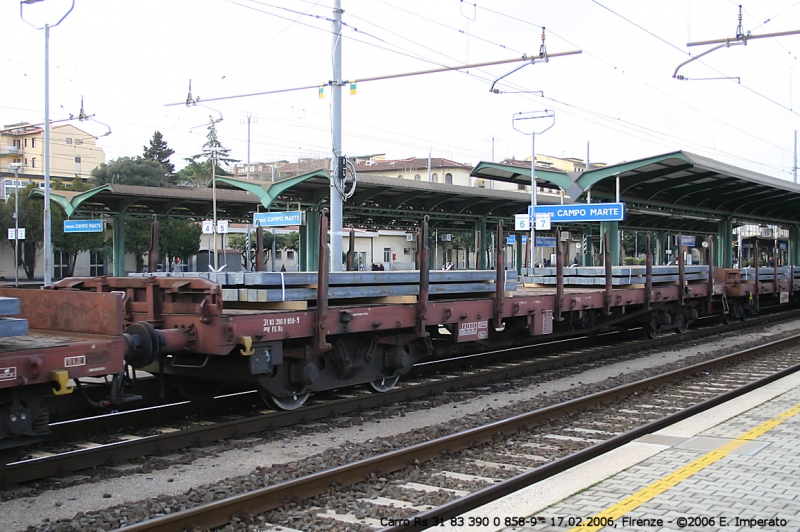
(278, 219)
(545, 241)
(583, 212)
(83, 226)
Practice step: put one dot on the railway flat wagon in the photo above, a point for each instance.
(291, 334)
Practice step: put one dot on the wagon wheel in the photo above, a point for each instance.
(652, 332)
(383, 384)
(198, 389)
(683, 327)
(291, 402)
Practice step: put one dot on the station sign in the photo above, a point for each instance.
(582, 212)
(687, 241)
(222, 227)
(511, 239)
(83, 226)
(545, 241)
(278, 219)
(522, 222)
(208, 227)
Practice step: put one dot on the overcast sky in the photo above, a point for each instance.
(128, 59)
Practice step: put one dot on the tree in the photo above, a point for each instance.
(159, 151)
(464, 240)
(179, 238)
(213, 153)
(195, 173)
(137, 240)
(130, 171)
(31, 217)
(239, 241)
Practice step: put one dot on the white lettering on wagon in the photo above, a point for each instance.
(474, 328)
(72, 362)
(275, 325)
(7, 374)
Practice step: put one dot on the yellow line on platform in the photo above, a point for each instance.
(658, 487)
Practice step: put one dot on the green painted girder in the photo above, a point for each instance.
(489, 207)
(68, 200)
(560, 179)
(754, 198)
(657, 188)
(628, 182)
(779, 206)
(401, 199)
(363, 197)
(683, 191)
(319, 197)
(466, 204)
(267, 192)
(591, 177)
(721, 198)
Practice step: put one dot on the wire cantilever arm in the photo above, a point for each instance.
(727, 44)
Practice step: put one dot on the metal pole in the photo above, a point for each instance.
(48, 252)
(336, 130)
(15, 169)
(273, 229)
(48, 258)
(214, 200)
(533, 197)
(795, 156)
(248, 146)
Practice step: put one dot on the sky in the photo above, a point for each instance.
(130, 60)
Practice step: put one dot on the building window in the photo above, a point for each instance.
(77, 160)
(60, 264)
(96, 265)
(33, 162)
(277, 253)
(387, 254)
(26, 143)
(522, 187)
(289, 255)
(417, 177)
(69, 140)
(26, 161)
(435, 178)
(17, 143)
(33, 143)
(448, 178)
(78, 141)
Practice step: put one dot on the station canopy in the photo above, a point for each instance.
(675, 192)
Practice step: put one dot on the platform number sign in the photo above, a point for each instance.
(208, 227)
(522, 222)
(222, 227)
(542, 222)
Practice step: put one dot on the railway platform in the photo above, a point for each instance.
(733, 468)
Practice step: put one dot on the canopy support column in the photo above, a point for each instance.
(612, 228)
(118, 250)
(794, 245)
(724, 255)
(309, 243)
(480, 232)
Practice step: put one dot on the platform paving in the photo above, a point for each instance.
(724, 469)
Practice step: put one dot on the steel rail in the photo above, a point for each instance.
(114, 453)
(261, 500)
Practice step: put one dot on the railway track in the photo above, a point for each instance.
(437, 480)
(467, 373)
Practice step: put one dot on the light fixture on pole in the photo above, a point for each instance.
(48, 254)
(527, 127)
(16, 167)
